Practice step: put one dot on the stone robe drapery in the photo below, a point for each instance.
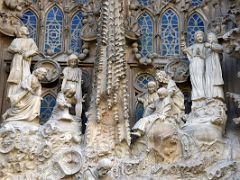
(196, 56)
(163, 107)
(21, 62)
(213, 75)
(61, 110)
(73, 76)
(26, 102)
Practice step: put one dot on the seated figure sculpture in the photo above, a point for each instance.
(26, 102)
(161, 107)
(149, 98)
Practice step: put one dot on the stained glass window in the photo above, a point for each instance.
(195, 23)
(142, 80)
(47, 105)
(29, 19)
(54, 30)
(196, 2)
(81, 1)
(139, 111)
(169, 34)
(146, 40)
(76, 26)
(144, 2)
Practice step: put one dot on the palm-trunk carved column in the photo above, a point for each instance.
(108, 126)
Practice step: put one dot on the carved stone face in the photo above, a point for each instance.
(24, 31)
(151, 88)
(41, 76)
(199, 37)
(70, 93)
(73, 62)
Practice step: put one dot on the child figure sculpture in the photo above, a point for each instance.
(73, 77)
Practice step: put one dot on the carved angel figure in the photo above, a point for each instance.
(24, 49)
(73, 77)
(196, 55)
(26, 102)
(149, 98)
(213, 72)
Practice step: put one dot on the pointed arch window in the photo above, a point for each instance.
(146, 40)
(195, 23)
(144, 2)
(30, 20)
(54, 30)
(196, 2)
(76, 26)
(47, 105)
(170, 34)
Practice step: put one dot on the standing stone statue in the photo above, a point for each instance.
(213, 72)
(73, 77)
(26, 102)
(149, 98)
(24, 49)
(196, 55)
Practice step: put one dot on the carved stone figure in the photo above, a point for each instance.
(65, 100)
(149, 98)
(100, 172)
(24, 49)
(73, 77)
(213, 72)
(175, 94)
(25, 103)
(196, 55)
(161, 107)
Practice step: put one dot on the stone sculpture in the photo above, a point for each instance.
(100, 172)
(174, 92)
(24, 49)
(65, 100)
(196, 55)
(72, 75)
(160, 110)
(25, 102)
(213, 72)
(149, 98)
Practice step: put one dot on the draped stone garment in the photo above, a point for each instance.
(20, 67)
(26, 102)
(213, 74)
(196, 57)
(73, 76)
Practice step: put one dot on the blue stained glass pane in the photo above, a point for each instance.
(144, 2)
(146, 40)
(54, 30)
(169, 34)
(195, 23)
(29, 19)
(81, 1)
(76, 26)
(196, 2)
(139, 111)
(143, 79)
(47, 105)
